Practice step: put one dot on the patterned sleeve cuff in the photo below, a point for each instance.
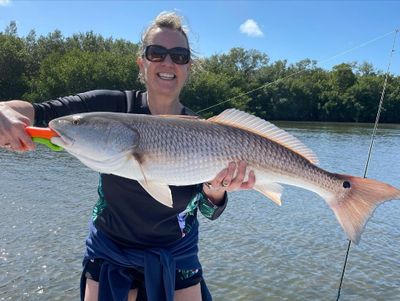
(209, 209)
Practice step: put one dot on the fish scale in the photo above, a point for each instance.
(158, 151)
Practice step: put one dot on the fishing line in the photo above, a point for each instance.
(370, 150)
(396, 31)
(300, 71)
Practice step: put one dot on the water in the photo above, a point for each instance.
(255, 251)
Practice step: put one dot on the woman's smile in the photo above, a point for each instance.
(166, 75)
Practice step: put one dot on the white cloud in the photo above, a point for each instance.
(250, 27)
(5, 2)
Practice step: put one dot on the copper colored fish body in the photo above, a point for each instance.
(158, 151)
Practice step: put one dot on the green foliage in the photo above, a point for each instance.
(343, 77)
(79, 70)
(13, 63)
(40, 68)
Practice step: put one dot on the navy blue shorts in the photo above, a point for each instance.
(184, 278)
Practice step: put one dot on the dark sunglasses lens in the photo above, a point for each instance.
(155, 53)
(180, 55)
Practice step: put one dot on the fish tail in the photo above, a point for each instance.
(358, 203)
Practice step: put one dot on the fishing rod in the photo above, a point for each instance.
(378, 114)
(396, 31)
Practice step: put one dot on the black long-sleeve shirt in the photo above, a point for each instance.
(124, 210)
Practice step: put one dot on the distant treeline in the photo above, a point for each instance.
(46, 67)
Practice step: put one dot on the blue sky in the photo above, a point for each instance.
(292, 30)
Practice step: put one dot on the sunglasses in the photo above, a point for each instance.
(157, 53)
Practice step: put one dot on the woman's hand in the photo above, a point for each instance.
(229, 179)
(12, 129)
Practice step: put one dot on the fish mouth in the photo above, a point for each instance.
(63, 142)
(62, 139)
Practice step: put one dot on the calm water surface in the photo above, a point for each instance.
(255, 251)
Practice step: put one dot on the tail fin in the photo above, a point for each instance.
(358, 203)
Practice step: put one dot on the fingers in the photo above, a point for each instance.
(216, 183)
(12, 132)
(227, 180)
(233, 178)
(18, 140)
(238, 181)
(250, 181)
(25, 141)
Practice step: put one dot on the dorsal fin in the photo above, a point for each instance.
(179, 116)
(254, 124)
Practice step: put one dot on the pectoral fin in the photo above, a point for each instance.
(158, 191)
(271, 190)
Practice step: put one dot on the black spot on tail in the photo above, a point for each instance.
(346, 184)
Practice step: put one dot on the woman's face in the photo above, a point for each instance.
(166, 77)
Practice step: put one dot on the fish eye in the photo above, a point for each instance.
(76, 121)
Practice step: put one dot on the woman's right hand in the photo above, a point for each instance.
(12, 127)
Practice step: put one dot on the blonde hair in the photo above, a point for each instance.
(166, 19)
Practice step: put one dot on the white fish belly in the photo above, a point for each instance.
(184, 172)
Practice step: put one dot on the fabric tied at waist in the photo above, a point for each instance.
(159, 265)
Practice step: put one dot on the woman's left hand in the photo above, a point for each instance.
(229, 179)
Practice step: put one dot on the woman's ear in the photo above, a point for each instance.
(139, 62)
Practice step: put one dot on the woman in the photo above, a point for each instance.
(138, 249)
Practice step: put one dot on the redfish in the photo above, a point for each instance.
(158, 151)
